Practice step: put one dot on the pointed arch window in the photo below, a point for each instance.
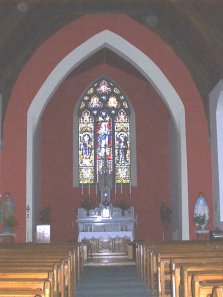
(104, 133)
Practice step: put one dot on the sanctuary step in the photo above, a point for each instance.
(110, 255)
(109, 259)
(110, 262)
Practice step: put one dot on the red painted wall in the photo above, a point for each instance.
(152, 151)
(34, 74)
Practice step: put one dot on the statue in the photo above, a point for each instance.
(201, 212)
(7, 213)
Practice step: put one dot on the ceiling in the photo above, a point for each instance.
(194, 29)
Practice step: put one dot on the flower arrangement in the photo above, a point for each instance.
(201, 221)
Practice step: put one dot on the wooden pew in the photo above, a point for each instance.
(217, 291)
(45, 248)
(187, 271)
(20, 287)
(203, 284)
(181, 272)
(26, 275)
(37, 258)
(148, 253)
(164, 260)
(152, 249)
(56, 266)
(74, 248)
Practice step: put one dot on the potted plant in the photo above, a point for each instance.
(123, 205)
(165, 216)
(87, 204)
(45, 216)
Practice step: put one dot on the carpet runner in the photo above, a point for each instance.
(111, 281)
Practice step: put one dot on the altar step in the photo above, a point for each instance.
(109, 262)
(109, 259)
(110, 255)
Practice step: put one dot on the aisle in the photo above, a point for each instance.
(111, 281)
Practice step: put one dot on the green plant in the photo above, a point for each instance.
(165, 215)
(45, 215)
(87, 204)
(122, 204)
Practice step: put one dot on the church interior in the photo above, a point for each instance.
(111, 123)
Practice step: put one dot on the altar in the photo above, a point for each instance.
(106, 228)
(104, 235)
(107, 224)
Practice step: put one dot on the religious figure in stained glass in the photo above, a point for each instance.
(104, 134)
(104, 137)
(95, 102)
(103, 87)
(123, 148)
(112, 102)
(86, 148)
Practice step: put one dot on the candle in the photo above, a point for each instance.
(96, 188)
(82, 189)
(89, 189)
(121, 187)
(115, 187)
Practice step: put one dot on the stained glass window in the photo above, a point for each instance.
(104, 133)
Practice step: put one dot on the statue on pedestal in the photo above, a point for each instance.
(7, 214)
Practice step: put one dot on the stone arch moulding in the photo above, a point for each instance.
(148, 69)
(216, 129)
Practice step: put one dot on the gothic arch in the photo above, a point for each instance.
(149, 70)
(216, 129)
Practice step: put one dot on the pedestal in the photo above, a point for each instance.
(43, 233)
(202, 234)
(7, 238)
